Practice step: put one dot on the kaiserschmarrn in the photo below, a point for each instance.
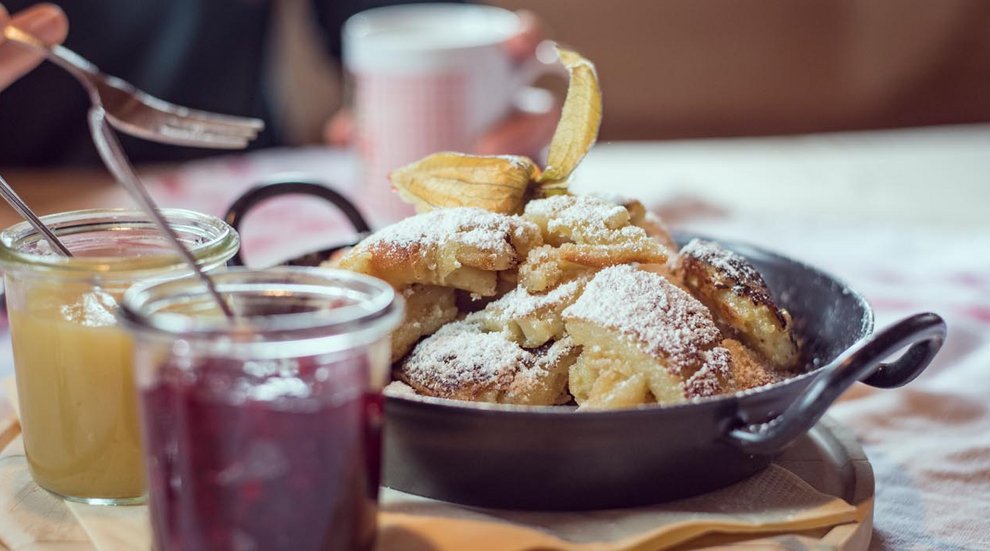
(581, 300)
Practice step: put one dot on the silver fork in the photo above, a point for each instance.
(143, 115)
(118, 103)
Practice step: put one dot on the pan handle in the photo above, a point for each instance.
(239, 209)
(923, 333)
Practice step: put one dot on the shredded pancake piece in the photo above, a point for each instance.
(577, 219)
(530, 319)
(461, 247)
(644, 340)
(739, 298)
(428, 307)
(639, 216)
(463, 362)
(545, 268)
(583, 233)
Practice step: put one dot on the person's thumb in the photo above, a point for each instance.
(45, 21)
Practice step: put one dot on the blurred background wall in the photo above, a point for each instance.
(695, 68)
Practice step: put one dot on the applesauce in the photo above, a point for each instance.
(73, 363)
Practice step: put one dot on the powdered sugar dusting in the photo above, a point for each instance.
(471, 226)
(591, 216)
(398, 388)
(461, 357)
(612, 197)
(730, 266)
(520, 303)
(664, 321)
(708, 379)
(547, 357)
(516, 161)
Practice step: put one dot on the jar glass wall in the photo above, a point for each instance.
(263, 433)
(73, 363)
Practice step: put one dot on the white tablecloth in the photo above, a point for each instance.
(929, 442)
(903, 216)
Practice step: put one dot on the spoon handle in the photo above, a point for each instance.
(113, 156)
(21, 207)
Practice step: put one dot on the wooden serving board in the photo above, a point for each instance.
(818, 494)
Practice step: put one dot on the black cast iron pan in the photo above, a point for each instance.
(553, 458)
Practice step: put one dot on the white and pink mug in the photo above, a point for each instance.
(427, 78)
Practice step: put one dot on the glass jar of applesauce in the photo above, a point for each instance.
(73, 363)
(263, 433)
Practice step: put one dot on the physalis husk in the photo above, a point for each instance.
(494, 183)
(504, 183)
(580, 118)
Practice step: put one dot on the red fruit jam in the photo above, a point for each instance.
(263, 455)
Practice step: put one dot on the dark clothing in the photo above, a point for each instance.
(205, 54)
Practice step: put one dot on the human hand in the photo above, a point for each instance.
(521, 132)
(45, 21)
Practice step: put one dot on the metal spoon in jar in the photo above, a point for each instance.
(21, 207)
(120, 166)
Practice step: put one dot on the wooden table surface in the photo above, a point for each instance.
(48, 191)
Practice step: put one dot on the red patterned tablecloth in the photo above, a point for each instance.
(281, 227)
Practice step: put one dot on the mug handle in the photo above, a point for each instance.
(532, 68)
(526, 73)
(258, 194)
(923, 333)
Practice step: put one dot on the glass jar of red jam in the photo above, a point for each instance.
(263, 432)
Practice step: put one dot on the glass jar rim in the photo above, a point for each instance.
(374, 308)
(220, 242)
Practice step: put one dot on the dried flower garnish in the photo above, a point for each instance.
(504, 183)
(580, 119)
(494, 183)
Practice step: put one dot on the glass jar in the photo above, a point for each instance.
(263, 433)
(73, 363)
